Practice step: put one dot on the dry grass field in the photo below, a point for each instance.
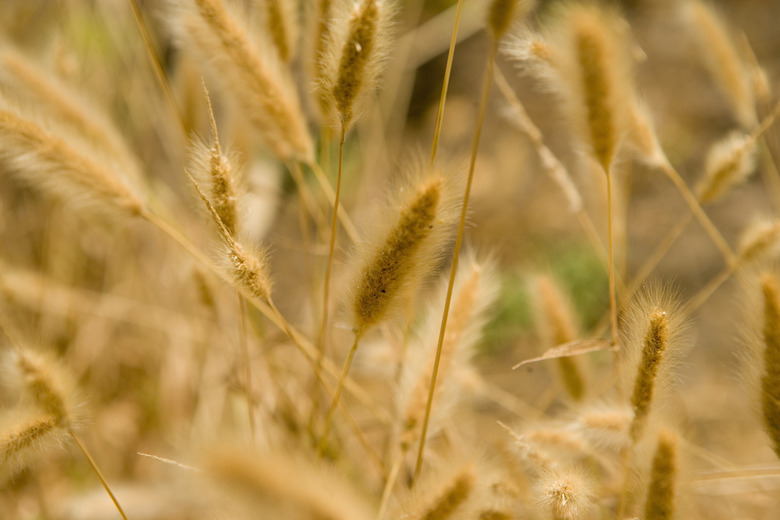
(383, 259)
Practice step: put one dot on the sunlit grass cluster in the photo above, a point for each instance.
(372, 259)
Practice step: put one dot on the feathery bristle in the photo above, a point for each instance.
(729, 163)
(770, 379)
(660, 495)
(355, 56)
(257, 79)
(404, 253)
(57, 165)
(655, 345)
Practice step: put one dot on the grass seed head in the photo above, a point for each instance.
(770, 379)
(251, 72)
(24, 437)
(729, 163)
(595, 75)
(660, 503)
(354, 57)
(393, 262)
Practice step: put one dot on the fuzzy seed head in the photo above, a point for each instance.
(354, 58)
(281, 21)
(399, 258)
(758, 241)
(445, 496)
(653, 350)
(46, 384)
(660, 496)
(566, 494)
(250, 271)
(729, 163)
(223, 192)
(723, 60)
(23, 438)
(596, 77)
(260, 83)
(770, 379)
(60, 167)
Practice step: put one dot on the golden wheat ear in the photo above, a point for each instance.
(255, 77)
(45, 384)
(392, 263)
